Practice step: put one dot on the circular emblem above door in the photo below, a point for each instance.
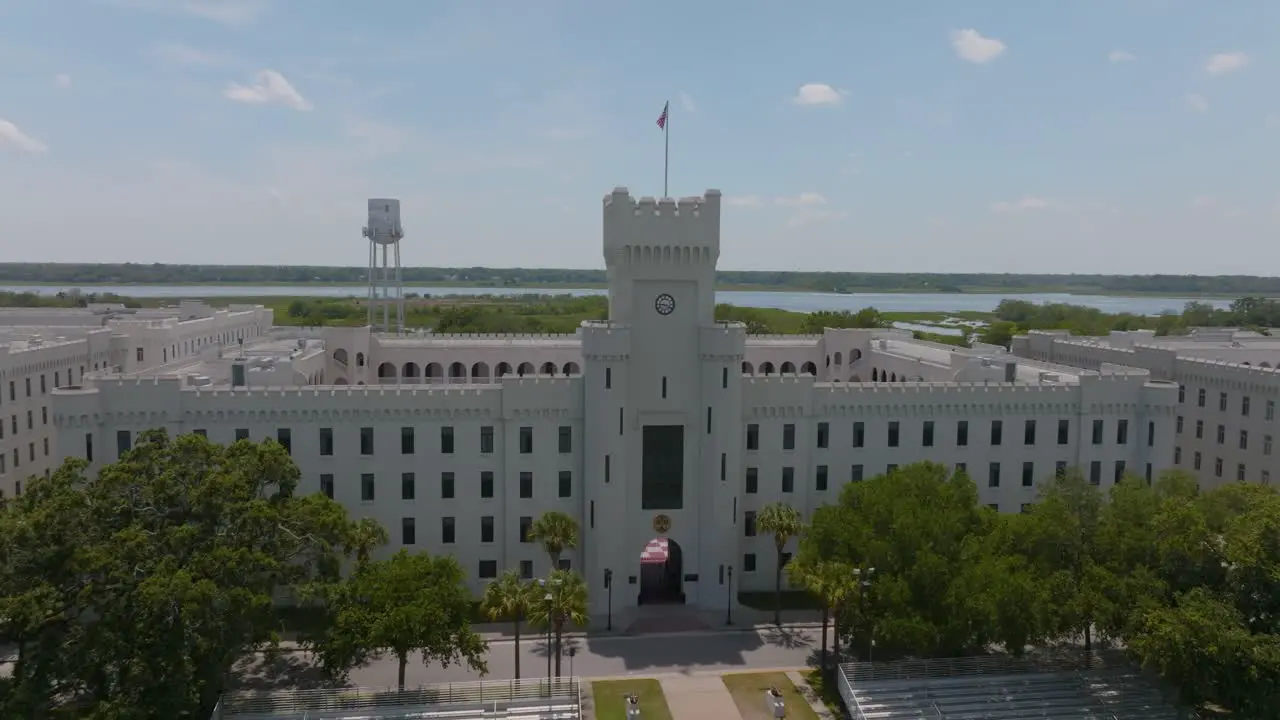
(661, 524)
(664, 304)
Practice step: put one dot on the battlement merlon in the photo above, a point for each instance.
(692, 222)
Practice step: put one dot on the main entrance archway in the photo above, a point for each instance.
(661, 573)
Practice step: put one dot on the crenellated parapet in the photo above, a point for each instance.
(723, 342)
(605, 341)
(661, 232)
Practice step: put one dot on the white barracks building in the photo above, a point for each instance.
(658, 428)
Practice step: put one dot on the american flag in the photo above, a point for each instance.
(662, 119)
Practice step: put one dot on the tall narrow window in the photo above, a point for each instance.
(824, 434)
(664, 387)
(326, 441)
(446, 440)
(565, 439)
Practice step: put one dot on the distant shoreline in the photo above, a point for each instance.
(412, 287)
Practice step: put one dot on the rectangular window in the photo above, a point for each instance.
(1119, 472)
(608, 378)
(1217, 467)
(1199, 429)
(1177, 427)
(366, 441)
(408, 486)
(1222, 402)
(408, 531)
(1029, 432)
(1095, 472)
(1200, 397)
(1177, 455)
(566, 483)
(1244, 406)
(1244, 439)
(526, 485)
(448, 530)
(789, 436)
(1182, 393)
(859, 434)
(486, 529)
(1151, 433)
(326, 485)
(1270, 412)
(242, 434)
(724, 466)
(326, 441)
(486, 439)
(749, 523)
(788, 479)
(608, 470)
(890, 468)
(997, 432)
(664, 387)
(855, 473)
(44, 387)
(88, 447)
(57, 378)
(526, 440)
(893, 433)
(526, 522)
(366, 487)
(27, 381)
(486, 483)
(753, 481)
(1097, 432)
(962, 433)
(446, 440)
(1195, 460)
(1222, 434)
(526, 569)
(708, 419)
(621, 418)
(753, 437)
(1266, 444)
(447, 486)
(284, 436)
(821, 475)
(724, 378)
(565, 439)
(1064, 432)
(926, 434)
(1148, 474)
(749, 562)
(993, 475)
(1028, 474)
(1060, 469)
(488, 570)
(824, 434)
(137, 353)
(123, 442)
(1122, 432)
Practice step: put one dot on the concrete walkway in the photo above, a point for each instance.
(699, 697)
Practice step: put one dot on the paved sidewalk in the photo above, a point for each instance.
(699, 697)
(806, 691)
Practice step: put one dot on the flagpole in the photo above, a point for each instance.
(666, 148)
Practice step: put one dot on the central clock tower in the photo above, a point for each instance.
(662, 392)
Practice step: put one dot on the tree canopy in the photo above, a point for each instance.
(133, 592)
(1187, 581)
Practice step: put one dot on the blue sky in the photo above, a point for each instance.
(986, 135)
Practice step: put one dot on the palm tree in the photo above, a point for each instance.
(833, 582)
(557, 532)
(784, 522)
(509, 598)
(363, 538)
(567, 603)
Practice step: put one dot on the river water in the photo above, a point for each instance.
(797, 301)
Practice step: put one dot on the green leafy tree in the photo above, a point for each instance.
(557, 532)
(409, 603)
(509, 598)
(783, 522)
(833, 583)
(567, 604)
(132, 593)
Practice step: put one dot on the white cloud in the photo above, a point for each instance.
(804, 199)
(1118, 56)
(687, 103)
(62, 81)
(817, 94)
(1224, 63)
(1197, 102)
(268, 88)
(1026, 204)
(742, 201)
(180, 54)
(11, 136)
(970, 45)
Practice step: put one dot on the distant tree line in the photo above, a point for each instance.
(124, 273)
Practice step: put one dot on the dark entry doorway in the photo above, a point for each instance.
(661, 573)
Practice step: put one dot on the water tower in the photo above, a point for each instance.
(385, 285)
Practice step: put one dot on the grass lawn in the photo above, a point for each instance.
(608, 697)
(827, 691)
(748, 691)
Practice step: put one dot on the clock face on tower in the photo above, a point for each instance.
(664, 304)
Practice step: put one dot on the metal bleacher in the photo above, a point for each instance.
(1099, 686)
(558, 699)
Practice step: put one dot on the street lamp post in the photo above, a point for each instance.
(550, 603)
(864, 585)
(728, 599)
(608, 586)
